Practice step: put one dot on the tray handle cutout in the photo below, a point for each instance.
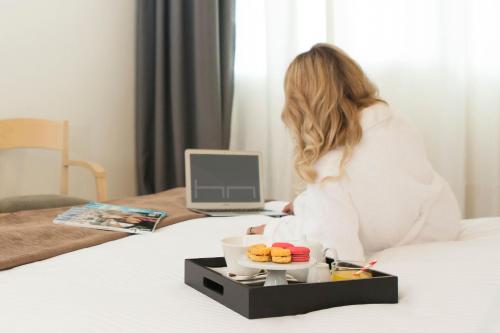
(214, 286)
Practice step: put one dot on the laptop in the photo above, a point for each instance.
(225, 183)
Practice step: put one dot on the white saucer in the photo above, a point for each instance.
(276, 273)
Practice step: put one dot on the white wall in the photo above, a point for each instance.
(72, 60)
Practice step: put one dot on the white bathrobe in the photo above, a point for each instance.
(389, 196)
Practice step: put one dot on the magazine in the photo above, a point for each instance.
(112, 217)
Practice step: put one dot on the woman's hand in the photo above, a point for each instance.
(257, 230)
(288, 209)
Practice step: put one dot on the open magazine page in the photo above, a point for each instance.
(112, 217)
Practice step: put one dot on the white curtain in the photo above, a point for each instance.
(437, 61)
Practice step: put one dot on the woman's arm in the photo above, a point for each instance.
(287, 227)
(323, 213)
(256, 230)
(331, 219)
(260, 229)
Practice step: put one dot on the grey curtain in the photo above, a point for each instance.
(185, 63)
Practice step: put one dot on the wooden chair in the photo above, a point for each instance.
(45, 134)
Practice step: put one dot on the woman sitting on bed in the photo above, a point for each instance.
(370, 183)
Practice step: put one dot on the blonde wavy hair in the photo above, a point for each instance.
(325, 90)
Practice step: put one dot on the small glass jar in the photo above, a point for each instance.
(345, 270)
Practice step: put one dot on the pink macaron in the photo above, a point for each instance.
(300, 253)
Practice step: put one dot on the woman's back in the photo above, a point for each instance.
(398, 197)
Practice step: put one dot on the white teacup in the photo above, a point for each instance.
(234, 248)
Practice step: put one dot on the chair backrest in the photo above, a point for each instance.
(37, 133)
(34, 133)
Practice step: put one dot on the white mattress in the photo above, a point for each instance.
(136, 285)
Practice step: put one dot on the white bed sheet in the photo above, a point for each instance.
(136, 285)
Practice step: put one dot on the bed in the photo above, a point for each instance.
(136, 284)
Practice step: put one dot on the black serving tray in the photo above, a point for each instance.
(257, 301)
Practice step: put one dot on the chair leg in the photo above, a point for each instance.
(64, 180)
(101, 188)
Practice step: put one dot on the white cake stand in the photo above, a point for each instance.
(276, 273)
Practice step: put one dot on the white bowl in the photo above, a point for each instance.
(235, 247)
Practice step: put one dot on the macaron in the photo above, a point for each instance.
(280, 252)
(300, 258)
(281, 255)
(300, 253)
(282, 245)
(259, 250)
(281, 260)
(259, 253)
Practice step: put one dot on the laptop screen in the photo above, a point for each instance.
(225, 178)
